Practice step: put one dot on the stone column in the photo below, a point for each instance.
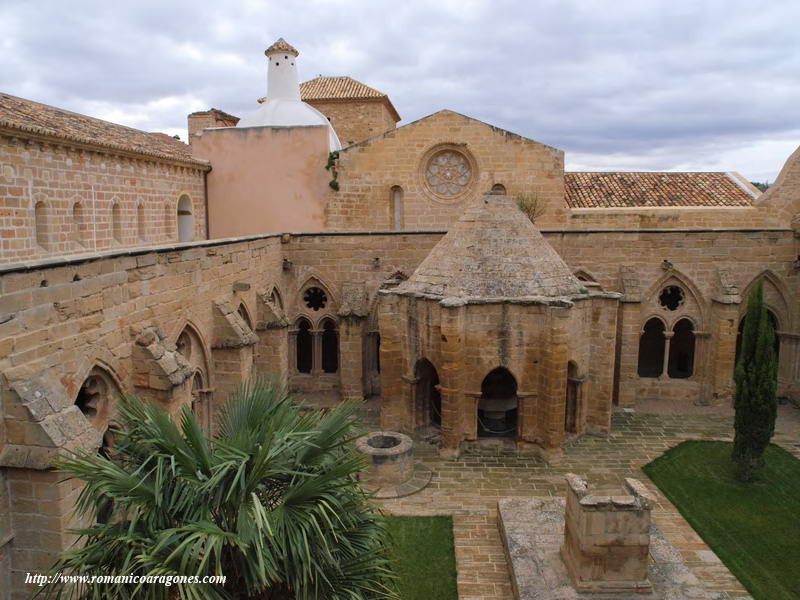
(668, 335)
(273, 353)
(701, 367)
(630, 330)
(397, 391)
(316, 352)
(554, 389)
(351, 361)
(721, 352)
(42, 508)
(232, 366)
(455, 424)
(597, 394)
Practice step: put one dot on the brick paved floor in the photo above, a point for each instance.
(469, 488)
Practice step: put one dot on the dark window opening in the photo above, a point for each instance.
(571, 410)
(304, 347)
(330, 348)
(671, 297)
(681, 350)
(242, 312)
(378, 352)
(651, 349)
(428, 399)
(315, 298)
(499, 188)
(497, 407)
(90, 396)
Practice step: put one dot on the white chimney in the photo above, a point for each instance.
(283, 107)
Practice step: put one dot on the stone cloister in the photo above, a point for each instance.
(397, 269)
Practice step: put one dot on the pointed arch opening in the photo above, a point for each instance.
(185, 219)
(193, 348)
(427, 398)
(681, 350)
(498, 404)
(651, 348)
(245, 315)
(199, 400)
(304, 356)
(330, 347)
(96, 400)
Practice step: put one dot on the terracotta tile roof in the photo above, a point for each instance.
(33, 117)
(281, 46)
(660, 189)
(342, 88)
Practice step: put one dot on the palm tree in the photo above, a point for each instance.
(270, 501)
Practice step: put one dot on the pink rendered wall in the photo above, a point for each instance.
(265, 179)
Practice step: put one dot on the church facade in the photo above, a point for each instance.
(395, 264)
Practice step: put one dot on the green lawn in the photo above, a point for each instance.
(753, 528)
(425, 560)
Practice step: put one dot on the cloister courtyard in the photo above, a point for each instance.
(468, 488)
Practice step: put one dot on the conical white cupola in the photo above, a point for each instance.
(283, 107)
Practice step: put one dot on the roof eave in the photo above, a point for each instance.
(85, 143)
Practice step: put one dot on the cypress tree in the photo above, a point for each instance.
(755, 402)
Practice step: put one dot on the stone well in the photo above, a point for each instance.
(391, 458)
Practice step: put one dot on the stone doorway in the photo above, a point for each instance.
(498, 405)
(427, 398)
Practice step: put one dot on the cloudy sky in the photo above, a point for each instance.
(617, 84)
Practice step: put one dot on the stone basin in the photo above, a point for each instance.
(390, 455)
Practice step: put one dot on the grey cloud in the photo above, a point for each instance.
(661, 84)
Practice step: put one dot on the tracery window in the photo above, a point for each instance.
(448, 173)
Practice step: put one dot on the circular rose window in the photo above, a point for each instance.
(448, 173)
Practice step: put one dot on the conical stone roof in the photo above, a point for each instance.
(493, 252)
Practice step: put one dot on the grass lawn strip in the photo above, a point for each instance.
(753, 528)
(424, 556)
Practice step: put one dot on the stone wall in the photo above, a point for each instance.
(465, 343)
(355, 120)
(368, 171)
(265, 179)
(123, 312)
(89, 200)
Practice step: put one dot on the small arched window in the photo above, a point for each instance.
(169, 222)
(141, 226)
(40, 224)
(330, 347)
(499, 188)
(397, 208)
(116, 222)
(185, 219)
(79, 225)
(305, 346)
(651, 349)
(681, 350)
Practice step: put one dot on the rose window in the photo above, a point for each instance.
(448, 173)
